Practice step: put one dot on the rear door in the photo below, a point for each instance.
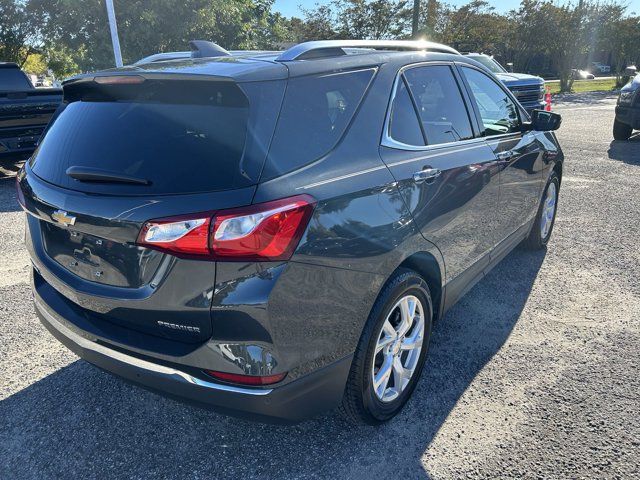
(519, 154)
(446, 175)
(127, 150)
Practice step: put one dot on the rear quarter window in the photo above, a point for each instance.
(315, 113)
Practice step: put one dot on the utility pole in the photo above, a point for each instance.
(113, 26)
(416, 18)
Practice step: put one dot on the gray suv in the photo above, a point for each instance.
(274, 234)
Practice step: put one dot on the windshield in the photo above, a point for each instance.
(488, 62)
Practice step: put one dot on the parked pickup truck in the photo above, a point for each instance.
(528, 89)
(24, 112)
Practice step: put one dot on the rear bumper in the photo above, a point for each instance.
(629, 116)
(298, 400)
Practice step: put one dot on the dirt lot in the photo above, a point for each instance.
(535, 374)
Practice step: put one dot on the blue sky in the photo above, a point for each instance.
(292, 7)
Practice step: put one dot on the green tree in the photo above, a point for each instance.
(79, 27)
(475, 27)
(358, 19)
(19, 29)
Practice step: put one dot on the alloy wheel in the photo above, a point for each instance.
(398, 348)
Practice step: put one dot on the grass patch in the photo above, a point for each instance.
(595, 85)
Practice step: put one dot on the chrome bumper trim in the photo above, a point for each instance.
(161, 370)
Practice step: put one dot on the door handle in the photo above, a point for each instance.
(504, 156)
(426, 174)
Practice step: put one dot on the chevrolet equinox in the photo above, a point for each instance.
(273, 234)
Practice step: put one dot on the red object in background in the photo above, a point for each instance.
(547, 100)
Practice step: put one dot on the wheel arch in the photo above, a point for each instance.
(557, 168)
(428, 267)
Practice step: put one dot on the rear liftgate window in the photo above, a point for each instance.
(316, 111)
(181, 136)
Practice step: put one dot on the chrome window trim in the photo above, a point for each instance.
(390, 142)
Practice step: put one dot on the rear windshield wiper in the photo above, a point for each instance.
(88, 174)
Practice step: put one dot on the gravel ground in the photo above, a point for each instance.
(535, 374)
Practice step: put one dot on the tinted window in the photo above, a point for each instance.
(498, 112)
(182, 138)
(315, 113)
(13, 79)
(404, 126)
(440, 106)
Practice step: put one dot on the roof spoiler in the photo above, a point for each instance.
(204, 49)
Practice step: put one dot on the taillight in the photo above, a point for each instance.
(246, 379)
(262, 232)
(180, 235)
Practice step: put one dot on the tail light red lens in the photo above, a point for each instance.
(262, 232)
(181, 235)
(246, 379)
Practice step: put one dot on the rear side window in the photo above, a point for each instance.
(440, 106)
(315, 113)
(12, 79)
(182, 137)
(403, 124)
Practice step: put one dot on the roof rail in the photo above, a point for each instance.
(332, 48)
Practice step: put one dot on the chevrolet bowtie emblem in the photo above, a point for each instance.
(63, 218)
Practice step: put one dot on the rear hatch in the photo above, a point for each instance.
(128, 148)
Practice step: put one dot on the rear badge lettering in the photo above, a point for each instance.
(176, 326)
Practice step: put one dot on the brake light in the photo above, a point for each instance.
(246, 379)
(119, 80)
(180, 235)
(262, 232)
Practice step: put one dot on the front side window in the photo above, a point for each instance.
(498, 112)
(441, 109)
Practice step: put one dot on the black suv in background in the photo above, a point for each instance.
(24, 112)
(273, 234)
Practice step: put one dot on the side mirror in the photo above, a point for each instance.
(630, 71)
(543, 121)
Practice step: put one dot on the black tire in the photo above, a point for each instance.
(621, 131)
(360, 404)
(535, 240)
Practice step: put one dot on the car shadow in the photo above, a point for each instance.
(8, 197)
(626, 151)
(82, 422)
